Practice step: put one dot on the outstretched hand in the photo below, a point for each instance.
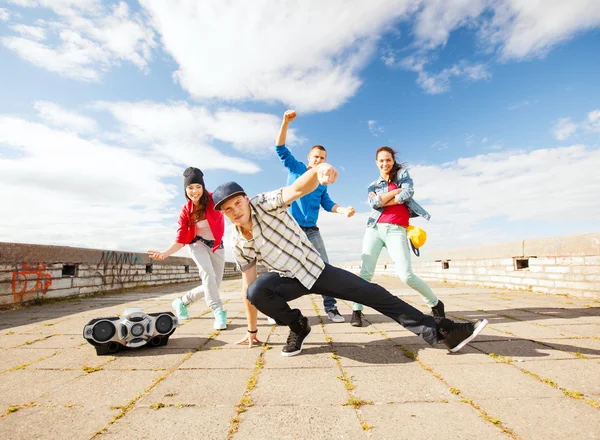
(326, 174)
(349, 211)
(250, 338)
(289, 115)
(156, 255)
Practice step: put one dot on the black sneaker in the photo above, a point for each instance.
(299, 330)
(438, 311)
(356, 320)
(455, 335)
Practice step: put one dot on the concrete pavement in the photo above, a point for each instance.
(534, 373)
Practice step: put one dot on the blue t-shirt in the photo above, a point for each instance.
(305, 210)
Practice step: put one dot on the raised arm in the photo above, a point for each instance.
(323, 173)
(285, 155)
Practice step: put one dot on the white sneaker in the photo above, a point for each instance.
(271, 321)
(335, 316)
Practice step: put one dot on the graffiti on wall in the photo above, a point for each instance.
(29, 281)
(117, 267)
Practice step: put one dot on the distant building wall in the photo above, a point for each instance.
(563, 265)
(29, 272)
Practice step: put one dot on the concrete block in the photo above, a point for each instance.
(85, 282)
(585, 269)
(542, 261)
(61, 283)
(61, 293)
(592, 260)
(89, 290)
(569, 261)
(557, 269)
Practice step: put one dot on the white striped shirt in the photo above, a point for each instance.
(278, 242)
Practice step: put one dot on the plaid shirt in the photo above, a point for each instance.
(278, 243)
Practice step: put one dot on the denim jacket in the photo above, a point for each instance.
(380, 186)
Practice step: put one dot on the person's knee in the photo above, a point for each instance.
(406, 276)
(208, 276)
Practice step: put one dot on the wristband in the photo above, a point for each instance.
(253, 331)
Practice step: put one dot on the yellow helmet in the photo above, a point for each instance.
(416, 237)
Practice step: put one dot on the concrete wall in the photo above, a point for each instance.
(30, 272)
(562, 265)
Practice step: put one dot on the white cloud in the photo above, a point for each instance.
(522, 104)
(374, 128)
(307, 56)
(59, 117)
(517, 28)
(91, 38)
(4, 15)
(438, 18)
(484, 140)
(31, 32)
(439, 146)
(593, 121)
(563, 129)
(185, 131)
(525, 29)
(434, 84)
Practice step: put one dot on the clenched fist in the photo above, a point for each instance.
(326, 174)
(289, 115)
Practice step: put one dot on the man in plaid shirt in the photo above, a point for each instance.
(266, 232)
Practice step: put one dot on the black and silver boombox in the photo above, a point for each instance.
(133, 329)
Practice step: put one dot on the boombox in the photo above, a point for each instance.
(133, 329)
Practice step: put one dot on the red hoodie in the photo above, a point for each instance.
(187, 229)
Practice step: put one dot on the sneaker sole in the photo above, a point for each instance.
(477, 330)
(294, 353)
(337, 319)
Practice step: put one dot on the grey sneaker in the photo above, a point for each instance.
(335, 316)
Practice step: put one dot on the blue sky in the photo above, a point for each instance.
(495, 106)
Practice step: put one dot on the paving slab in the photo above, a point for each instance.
(545, 419)
(307, 387)
(499, 380)
(292, 422)
(410, 383)
(199, 387)
(173, 422)
(431, 420)
(57, 422)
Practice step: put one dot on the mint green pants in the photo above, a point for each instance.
(393, 237)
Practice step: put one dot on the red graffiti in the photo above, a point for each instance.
(22, 278)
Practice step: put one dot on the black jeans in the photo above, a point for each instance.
(271, 292)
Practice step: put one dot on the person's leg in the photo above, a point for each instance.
(329, 303)
(270, 294)
(345, 285)
(397, 245)
(204, 257)
(201, 254)
(371, 249)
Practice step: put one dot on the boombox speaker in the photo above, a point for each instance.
(133, 329)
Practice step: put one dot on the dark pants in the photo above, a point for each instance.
(271, 292)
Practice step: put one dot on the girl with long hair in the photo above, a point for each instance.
(392, 205)
(201, 227)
